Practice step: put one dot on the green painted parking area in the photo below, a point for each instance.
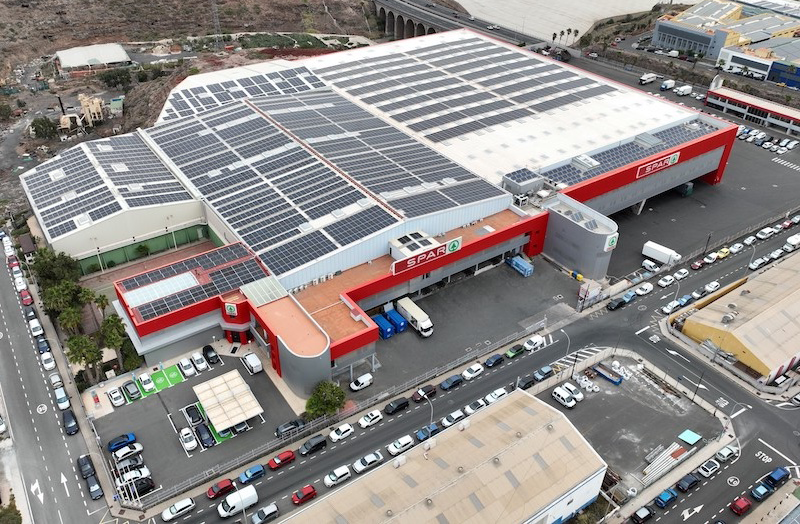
(142, 391)
(160, 380)
(174, 375)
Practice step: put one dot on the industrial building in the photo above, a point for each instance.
(771, 59)
(756, 322)
(90, 59)
(762, 112)
(712, 25)
(518, 460)
(348, 180)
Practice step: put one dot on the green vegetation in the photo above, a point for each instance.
(10, 514)
(83, 350)
(43, 127)
(326, 399)
(116, 78)
(281, 41)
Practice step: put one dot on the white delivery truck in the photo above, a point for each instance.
(683, 90)
(648, 78)
(660, 253)
(666, 85)
(416, 318)
(238, 501)
(791, 243)
(673, 54)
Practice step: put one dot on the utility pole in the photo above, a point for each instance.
(217, 30)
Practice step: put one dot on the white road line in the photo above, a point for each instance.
(792, 462)
(642, 330)
(738, 413)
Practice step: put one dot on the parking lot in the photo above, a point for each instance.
(157, 417)
(624, 423)
(471, 314)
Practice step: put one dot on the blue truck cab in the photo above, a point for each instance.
(400, 324)
(385, 328)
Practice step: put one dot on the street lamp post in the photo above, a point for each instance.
(753, 255)
(677, 291)
(708, 241)
(698, 384)
(431, 404)
(244, 512)
(569, 343)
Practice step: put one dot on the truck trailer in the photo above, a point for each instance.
(648, 78)
(417, 318)
(660, 253)
(683, 90)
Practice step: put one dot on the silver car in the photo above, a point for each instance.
(367, 462)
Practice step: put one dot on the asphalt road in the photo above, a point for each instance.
(46, 455)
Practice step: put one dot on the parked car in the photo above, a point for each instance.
(266, 514)
(281, 459)
(573, 390)
(741, 505)
(187, 439)
(643, 514)
(70, 422)
(371, 418)
(303, 495)
(736, 248)
(452, 418)
(644, 289)
(134, 462)
(177, 510)
(337, 476)
(143, 486)
(681, 274)
(666, 280)
(220, 489)
(775, 255)
(362, 382)
(712, 286)
(210, 355)
(95, 491)
(473, 371)
(48, 362)
(85, 466)
(708, 468)
(493, 361)
(699, 293)
(424, 392)
(116, 397)
(194, 415)
(515, 351)
(472, 407)
(451, 382)
(205, 436)
(749, 241)
(543, 373)
(615, 303)
(127, 452)
(42, 345)
(121, 441)
(289, 427)
(761, 491)
(252, 474)
(495, 395)
(341, 433)
(726, 453)
(669, 308)
(666, 497)
(757, 263)
(710, 258)
(526, 382)
(185, 366)
(687, 482)
(147, 383)
(25, 297)
(131, 390)
(396, 405)
(367, 462)
(400, 445)
(199, 362)
(426, 432)
(130, 476)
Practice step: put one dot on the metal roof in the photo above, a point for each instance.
(227, 400)
(92, 55)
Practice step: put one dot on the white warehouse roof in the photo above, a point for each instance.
(92, 55)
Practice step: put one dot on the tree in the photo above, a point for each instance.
(699, 56)
(116, 78)
(70, 320)
(83, 350)
(85, 295)
(574, 35)
(10, 514)
(101, 301)
(721, 63)
(142, 250)
(326, 399)
(60, 296)
(43, 127)
(569, 33)
(5, 111)
(560, 36)
(113, 332)
(21, 103)
(555, 35)
(51, 267)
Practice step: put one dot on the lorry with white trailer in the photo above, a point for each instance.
(648, 78)
(417, 319)
(683, 90)
(660, 253)
(666, 85)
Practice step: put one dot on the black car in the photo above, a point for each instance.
(615, 304)
(315, 443)
(424, 392)
(643, 514)
(143, 486)
(95, 491)
(241, 427)
(493, 361)
(29, 312)
(70, 422)
(205, 436)
(42, 345)
(194, 415)
(210, 355)
(86, 466)
(131, 390)
(396, 405)
(288, 427)
(526, 382)
(687, 483)
(451, 382)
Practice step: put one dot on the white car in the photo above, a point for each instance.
(757, 263)
(16, 272)
(472, 407)
(186, 367)
(199, 362)
(495, 395)
(736, 248)
(130, 476)
(727, 453)
(712, 286)
(337, 476)
(749, 241)
(782, 150)
(709, 468)
(764, 233)
(116, 397)
(48, 363)
(367, 462)
(20, 284)
(8, 250)
(535, 343)
(766, 145)
(126, 452)
(667, 280)
(370, 419)
(400, 445)
(473, 371)
(362, 382)
(188, 440)
(644, 289)
(573, 390)
(669, 308)
(681, 274)
(179, 509)
(341, 433)
(452, 418)
(147, 383)
(710, 258)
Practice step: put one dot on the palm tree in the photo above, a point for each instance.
(101, 301)
(699, 56)
(70, 320)
(560, 36)
(574, 35)
(569, 33)
(721, 64)
(555, 35)
(113, 335)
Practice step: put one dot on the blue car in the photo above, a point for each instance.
(493, 361)
(761, 491)
(121, 441)
(427, 432)
(666, 497)
(251, 474)
(685, 299)
(451, 382)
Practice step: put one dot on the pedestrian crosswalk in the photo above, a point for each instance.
(575, 357)
(786, 163)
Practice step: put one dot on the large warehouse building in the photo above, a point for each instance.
(348, 180)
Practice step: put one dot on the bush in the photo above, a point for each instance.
(111, 263)
(326, 399)
(93, 268)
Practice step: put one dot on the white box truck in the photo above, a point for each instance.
(683, 90)
(416, 318)
(791, 243)
(648, 78)
(666, 85)
(660, 253)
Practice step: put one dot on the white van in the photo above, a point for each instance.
(36, 327)
(563, 398)
(535, 343)
(650, 266)
(238, 501)
(252, 363)
(765, 233)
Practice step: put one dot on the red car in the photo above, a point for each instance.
(25, 297)
(698, 264)
(304, 494)
(221, 488)
(787, 224)
(741, 505)
(13, 261)
(283, 458)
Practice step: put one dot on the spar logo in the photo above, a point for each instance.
(657, 165)
(426, 256)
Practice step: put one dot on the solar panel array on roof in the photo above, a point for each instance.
(190, 101)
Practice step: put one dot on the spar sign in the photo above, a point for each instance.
(657, 165)
(451, 246)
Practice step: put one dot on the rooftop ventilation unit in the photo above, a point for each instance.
(646, 141)
(584, 163)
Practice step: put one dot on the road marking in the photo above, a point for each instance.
(676, 354)
(64, 483)
(792, 462)
(37, 491)
(738, 413)
(642, 330)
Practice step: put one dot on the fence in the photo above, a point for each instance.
(162, 495)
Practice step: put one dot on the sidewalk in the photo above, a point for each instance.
(777, 506)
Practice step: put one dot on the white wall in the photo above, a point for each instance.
(571, 501)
